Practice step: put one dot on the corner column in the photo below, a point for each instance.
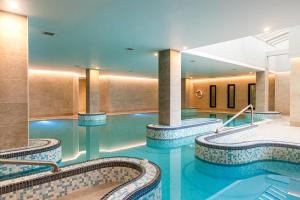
(295, 92)
(13, 81)
(262, 91)
(169, 87)
(294, 55)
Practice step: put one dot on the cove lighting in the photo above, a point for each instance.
(133, 78)
(52, 72)
(66, 73)
(122, 148)
(229, 78)
(13, 5)
(74, 157)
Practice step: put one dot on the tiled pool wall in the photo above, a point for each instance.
(191, 127)
(39, 149)
(86, 119)
(247, 170)
(259, 116)
(245, 152)
(140, 180)
(169, 144)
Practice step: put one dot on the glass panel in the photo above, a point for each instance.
(231, 96)
(213, 95)
(252, 94)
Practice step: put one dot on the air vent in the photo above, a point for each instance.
(48, 33)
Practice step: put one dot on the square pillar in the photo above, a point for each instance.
(294, 56)
(13, 81)
(92, 91)
(262, 91)
(169, 87)
(295, 92)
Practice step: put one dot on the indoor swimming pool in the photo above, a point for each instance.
(183, 175)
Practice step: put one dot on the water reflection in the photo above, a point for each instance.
(183, 176)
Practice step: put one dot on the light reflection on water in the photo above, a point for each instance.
(183, 176)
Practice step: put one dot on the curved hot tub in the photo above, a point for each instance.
(243, 146)
(134, 179)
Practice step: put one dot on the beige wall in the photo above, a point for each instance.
(124, 95)
(53, 94)
(241, 93)
(282, 93)
(13, 81)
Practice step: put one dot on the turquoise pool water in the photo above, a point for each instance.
(183, 176)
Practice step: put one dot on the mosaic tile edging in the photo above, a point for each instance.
(141, 179)
(243, 171)
(91, 119)
(48, 145)
(169, 133)
(50, 150)
(245, 152)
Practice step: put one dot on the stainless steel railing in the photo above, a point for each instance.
(236, 115)
(54, 166)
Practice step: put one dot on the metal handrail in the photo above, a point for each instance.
(236, 115)
(54, 166)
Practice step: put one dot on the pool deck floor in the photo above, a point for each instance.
(274, 130)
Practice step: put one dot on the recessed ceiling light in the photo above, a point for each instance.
(184, 48)
(155, 54)
(267, 29)
(48, 33)
(129, 49)
(13, 5)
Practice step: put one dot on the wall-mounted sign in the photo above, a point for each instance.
(199, 94)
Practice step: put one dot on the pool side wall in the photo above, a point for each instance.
(242, 154)
(169, 133)
(140, 180)
(51, 151)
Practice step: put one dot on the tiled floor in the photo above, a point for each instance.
(93, 193)
(275, 130)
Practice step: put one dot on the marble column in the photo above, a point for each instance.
(262, 91)
(295, 92)
(294, 55)
(169, 87)
(92, 91)
(186, 89)
(13, 81)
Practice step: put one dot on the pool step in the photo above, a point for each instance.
(274, 193)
